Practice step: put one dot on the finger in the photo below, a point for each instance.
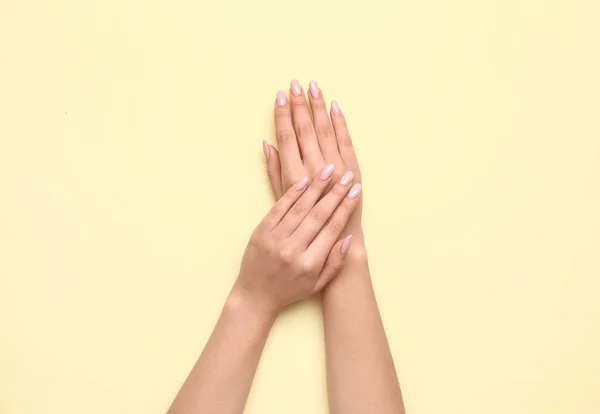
(324, 129)
(336, 223)
(303, 125)
(334, 263)
(321, 213)
(286, 138)
(344, 142)
(273, 169)
(303, 206)
(281, 207)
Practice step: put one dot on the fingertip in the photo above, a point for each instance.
(346, 244)
(301, 185)
(281, 98)
(335, 108)
(315, 92)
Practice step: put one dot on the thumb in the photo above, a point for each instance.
(273, 169)
(334, 263)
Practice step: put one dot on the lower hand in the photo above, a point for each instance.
(309, 137)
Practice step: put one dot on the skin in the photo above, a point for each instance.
(361, 376)
(292, 254)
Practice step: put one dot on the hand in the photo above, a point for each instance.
(308, 140)
(294, 252)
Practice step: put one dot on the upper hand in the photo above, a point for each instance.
(294, 252)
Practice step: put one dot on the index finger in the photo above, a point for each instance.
(286, 137)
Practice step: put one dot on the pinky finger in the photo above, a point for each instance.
(342, 133)
(273, 169)
(334, 263)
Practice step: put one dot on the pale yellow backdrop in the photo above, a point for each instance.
(131, 175)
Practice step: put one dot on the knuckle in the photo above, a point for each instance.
(298, 103)
(305, 265)
(282, 115)
(299, 210)
(318, 104)
(345, 141)
(317, 214)
(325, 131)
(286, 256)
(272, 174)
(284, 136)
(304, 130)
(341, 123)
(334, 226)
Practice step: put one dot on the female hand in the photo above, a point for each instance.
(294, 252)
(307, 140)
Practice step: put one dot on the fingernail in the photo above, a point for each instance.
(281, 98)
(314, 89)
(327, 172)
(335, 108)
(266, 149)
(346, 244)
(346, 178)
(301, 184)
(355, 191)
(296, 88)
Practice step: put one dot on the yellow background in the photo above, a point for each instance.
(131, 175)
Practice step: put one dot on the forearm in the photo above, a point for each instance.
(221, 379)
(360, 370)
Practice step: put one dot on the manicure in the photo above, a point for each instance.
(301, 184)
(355, 191)
(335, 108)
(346, 178)
(327, 172)
(314, 89)
(296, 88)
(266, 150)
(346, 244)
(281, 98)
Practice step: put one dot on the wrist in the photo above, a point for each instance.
(242, 301)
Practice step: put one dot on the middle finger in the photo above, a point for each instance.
(303, 125)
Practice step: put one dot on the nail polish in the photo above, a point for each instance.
(296, 88)
(335, 108)
(355, 191)
(281, 98)
(301, 184)
(346, 178)
(346, 244)
(327, 172)
(314, 89)
(266, 149)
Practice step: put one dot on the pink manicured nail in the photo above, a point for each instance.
(266, 149)
(314, 89)
(335, 108)
(327, 172)
(301, 184)
(281, 98)
(296, 88)
(346, 244)
(346, 178)
(355, 191)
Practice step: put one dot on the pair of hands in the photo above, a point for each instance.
(296, 249)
